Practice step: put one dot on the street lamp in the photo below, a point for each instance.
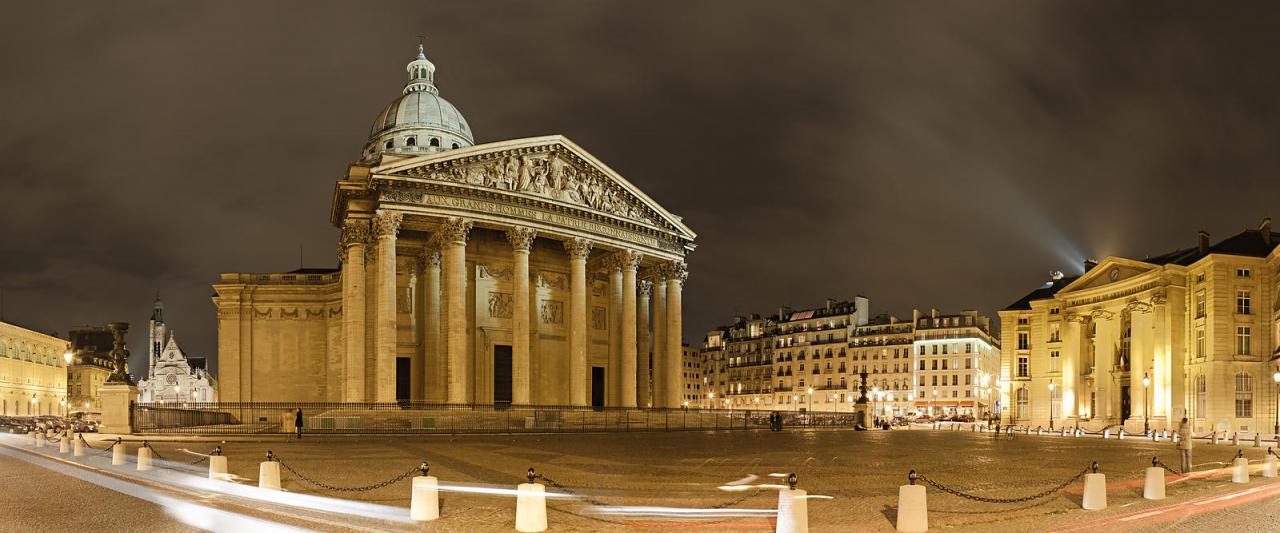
(1276, 378)
(1146, 408)
(810, 391)
(1051, 414)
(935, 400)
(67, 357)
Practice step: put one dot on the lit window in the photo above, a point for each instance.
(1243, 272)
(1053, 361)
(1244, 340)
(1244, 395)
(1244, 302)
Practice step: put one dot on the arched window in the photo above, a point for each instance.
(1023, 403)
(1244, 395)
(455, 146)
(411, 141)
(390, 144)
(1201, 397)
(434, 142)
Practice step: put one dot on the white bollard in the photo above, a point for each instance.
(1215, 437)
(34, 441)
(1154, 488)
(1240, 470)
(913, 508)
(1106, 433)
(1095, 491)
(1269, 466)
(531, 506)
(1257, 440)
(64, 445)
(793, 511)
(424, 502)
(117, 454)
(1121, 433)
(269, 475)
(39, 439)
(217, 467)
(1155, 437)
(144, 457)
(1235, 439)
(78, 450)
(1063, 433)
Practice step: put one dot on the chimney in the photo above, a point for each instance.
(933, 312)
(1204, 242)
(1089, 264)
(830, 302)
(1265, 228)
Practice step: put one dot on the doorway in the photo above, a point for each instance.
(501, 374)
(402, 379)
(1124, 404)
(597, 386)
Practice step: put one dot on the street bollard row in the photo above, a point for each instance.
(913, 507)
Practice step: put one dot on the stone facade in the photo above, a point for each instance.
(90, 367)
(522, 271)
(813, 359)
(1200, 325)
(172, 377)
(33, 375)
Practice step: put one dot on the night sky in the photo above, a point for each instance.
(927, 155)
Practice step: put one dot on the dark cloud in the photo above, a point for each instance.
(948, 155)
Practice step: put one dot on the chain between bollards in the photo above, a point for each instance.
(420, 469)
(912, 476)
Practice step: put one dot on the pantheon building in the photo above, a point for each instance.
(521, 272)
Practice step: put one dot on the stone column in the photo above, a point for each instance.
(453, 254)
(578, 250)
(385, 226)
(355, 233)
(675, 327)
(434, 368)
(521, 240)
(1139, 360)
(658, 373)
(613, 388)
(1105, 341)
(1071, 368)
(626, 378)
(1161, 387)
(643, 397)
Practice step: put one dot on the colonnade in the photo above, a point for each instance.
(640, 299)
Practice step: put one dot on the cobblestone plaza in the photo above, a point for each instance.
(861, 471)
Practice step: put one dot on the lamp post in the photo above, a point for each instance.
(1051, 414)
(711, 396)
(810, 391)
(935, 400)
(1146, 407)
(1276, 377)
(875, 398)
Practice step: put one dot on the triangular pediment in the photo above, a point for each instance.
(1111, 271)
(550, 168)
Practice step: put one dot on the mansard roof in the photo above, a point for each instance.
(1045, 291)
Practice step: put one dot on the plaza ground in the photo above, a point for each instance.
(861, 471)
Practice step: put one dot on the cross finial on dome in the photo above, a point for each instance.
(421, 54)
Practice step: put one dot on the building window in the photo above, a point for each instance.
(411, 141)
(944, 364)
(1244, 302)
(1125, 337)
(390, 144)
(434, 142)
(1201, 397)
(1054, 361)
(1055, 332)
(935, 364)
(1200, 304)
(1023, 367)
(968, 347)
(922, 364)
(935, 381)
(1024, 340)
(1244, 395)
(1199, 342)
(1200, 277)
(955, 380)
(1244, 340)
(1023, 403)
(1242, 273)
(1024, 321)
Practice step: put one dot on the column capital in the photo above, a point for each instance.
(354, 231)
(646, 288)
(521, 238)
(428, 257)
(674, 271)
(578, 248)
(454, 230)
(387, 223)
(627, 259)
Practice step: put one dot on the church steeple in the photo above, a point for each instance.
(157, 310)
(158, 333)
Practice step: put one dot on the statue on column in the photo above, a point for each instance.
(119, 354)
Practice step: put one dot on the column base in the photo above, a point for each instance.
(117, 400)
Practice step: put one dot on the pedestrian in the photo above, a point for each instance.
(297, 423)
(1184, 444)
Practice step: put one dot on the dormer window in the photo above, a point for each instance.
(411, 141)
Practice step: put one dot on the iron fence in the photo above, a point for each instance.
(435, 418)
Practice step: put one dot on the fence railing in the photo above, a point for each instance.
(429, 418)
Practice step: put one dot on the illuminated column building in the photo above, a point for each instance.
(1200, 324)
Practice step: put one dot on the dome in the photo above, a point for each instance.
(420, 121)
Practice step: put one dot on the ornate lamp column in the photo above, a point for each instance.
(676, 275)
(355, 233)
(385, 226)
(629, 260)
(521, 242)
(643, 398)
(578, 250)
(660, 339)
(453, 253)
(429, 324)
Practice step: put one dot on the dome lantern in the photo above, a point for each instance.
(420, 121)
